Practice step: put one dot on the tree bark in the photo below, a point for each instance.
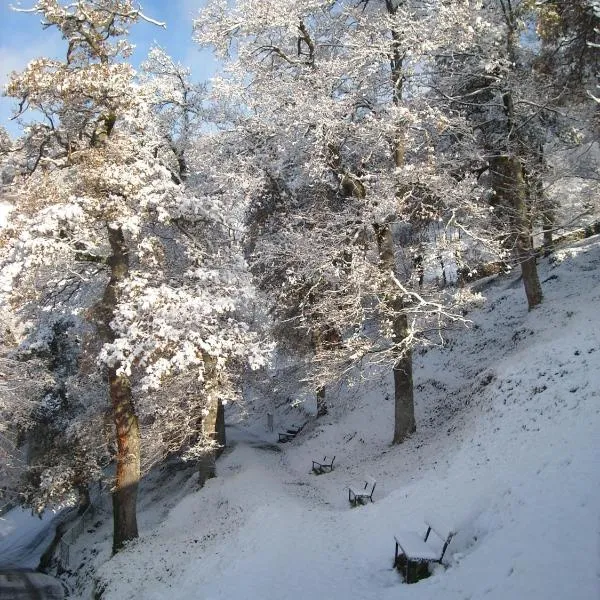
(404, 407)
(548, 225)
(321, 402)
(128, 461)
(126, 424)
(213, 424)
(404, 403)
(510, 187)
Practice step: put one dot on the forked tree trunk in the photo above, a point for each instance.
(404, 407)
(126, 424)
(510, 187)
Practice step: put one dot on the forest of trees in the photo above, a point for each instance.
(328, 196)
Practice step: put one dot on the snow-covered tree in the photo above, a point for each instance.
(569, 33)
(105, 230)
(345, 159)
(516, 86)
(178, 102)
(494, 86)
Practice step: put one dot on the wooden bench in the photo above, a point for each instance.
(413, 554)
(290, 434)
(322, 467)
(360, 494)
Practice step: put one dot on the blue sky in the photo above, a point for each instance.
(22, 39)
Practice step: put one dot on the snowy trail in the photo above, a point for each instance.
(285, 531)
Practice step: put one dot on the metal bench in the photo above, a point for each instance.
(290, 434)
(413, 554)
(322, 467)
(360, 494)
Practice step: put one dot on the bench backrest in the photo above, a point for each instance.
(444, 532)
(369, 481)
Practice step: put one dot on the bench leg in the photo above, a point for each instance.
(413, 570)
(402, 563)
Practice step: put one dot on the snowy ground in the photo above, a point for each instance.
(507, 451)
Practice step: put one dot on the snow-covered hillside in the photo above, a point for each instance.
(507, 451)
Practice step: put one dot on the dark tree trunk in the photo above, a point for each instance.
(84, 500)
(321, 403)
(404, 408)
(404, 405)
(124, 416)
(213, 423)
(511, 192)
(220, 434)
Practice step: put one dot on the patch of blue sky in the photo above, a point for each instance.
(22, 39)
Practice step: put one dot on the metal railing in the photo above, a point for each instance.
(65, 554)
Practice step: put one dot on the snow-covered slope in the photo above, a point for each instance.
(507, 451)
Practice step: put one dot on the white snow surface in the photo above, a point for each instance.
(507, 452)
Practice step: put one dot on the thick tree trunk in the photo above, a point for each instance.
(213, 423)
(510, 187)
(124, 416)
(128, 461)
(404, 408)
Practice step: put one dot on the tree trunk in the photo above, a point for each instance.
(510, 187)
(126, 423)
(548, 225)
(321, 403)
(404, 403)
(84, 500)
(213, 423)
(404, 407)
(128, 460)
